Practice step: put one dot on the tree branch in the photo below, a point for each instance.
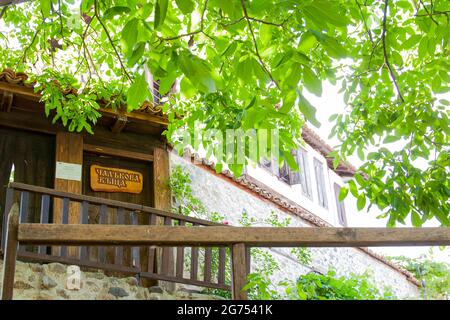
(189, 34)
(3, 11)
(434, 13)
(428, 13)
(244, 8)
(386, 60)
(110, 39)
(365, 23)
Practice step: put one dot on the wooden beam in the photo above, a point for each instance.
(239, 271)
(117, 152)
(12, 244)
(22, 91)
(225, 236)
(69, 149)
(161, 175)
(137, 116)
(163, 201)
(108, 202)
(120, 123)
(6, 102)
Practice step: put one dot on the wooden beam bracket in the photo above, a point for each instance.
(6, 101)
(120, 123)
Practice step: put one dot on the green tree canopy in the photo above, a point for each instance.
(248, 63)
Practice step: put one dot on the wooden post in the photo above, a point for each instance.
(12, 244)
(238, 271)
(69, 148)
(163, 201)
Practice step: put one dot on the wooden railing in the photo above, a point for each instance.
(238, 239)
(182, 264)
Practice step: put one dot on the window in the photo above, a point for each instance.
(320, 180)
(304, 174)
(269, 165)
(340, 206)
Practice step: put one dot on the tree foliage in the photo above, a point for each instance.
(435, 275)
(248, 64)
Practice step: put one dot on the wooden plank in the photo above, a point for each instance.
(180, 258)
(32, 256)
(111, 203)
(184, 281)
(208, 257)
(166, 259)
(102, 220)
(45, 217)
(161, 175)
(118, 152)
(224, 236)
(85, 221)
(151, 250)
(118, 257)
(69, 149)
(222, 261)
(8, 205)
(248, 264)
(25, 195)
(238, 271)
(135, 251)
(9, 263)
(64, 220)
(194, 263)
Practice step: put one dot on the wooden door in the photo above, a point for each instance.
(144, 198)
(29, 158)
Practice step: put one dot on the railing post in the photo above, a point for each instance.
(8, 205)
(238, 271)
(12, 244)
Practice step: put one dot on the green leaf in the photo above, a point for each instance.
(308, 111)
(138, 93)
(46, 6)
(336, 161)
(307, 42)
(137, 54)
(115, 11)
(415, 219)
(360, 152)
(312, 82)
(160, 12)
(129, 35)
(186, 6)
(343, 193)
(361, 203)
(390, 139)
(353, 189)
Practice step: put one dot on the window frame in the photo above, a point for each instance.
(322, 197)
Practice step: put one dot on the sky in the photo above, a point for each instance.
(332, 102)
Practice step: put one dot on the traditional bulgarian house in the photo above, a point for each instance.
(119, 175)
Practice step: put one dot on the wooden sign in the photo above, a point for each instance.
(115, 180)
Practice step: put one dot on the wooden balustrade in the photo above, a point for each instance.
(187, 232)
(142, 261)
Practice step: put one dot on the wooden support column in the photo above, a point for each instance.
(238, 271)
(69, 149)
(12, 244)
(163, 201)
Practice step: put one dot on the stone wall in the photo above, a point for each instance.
(49, 282)
(220, 195)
